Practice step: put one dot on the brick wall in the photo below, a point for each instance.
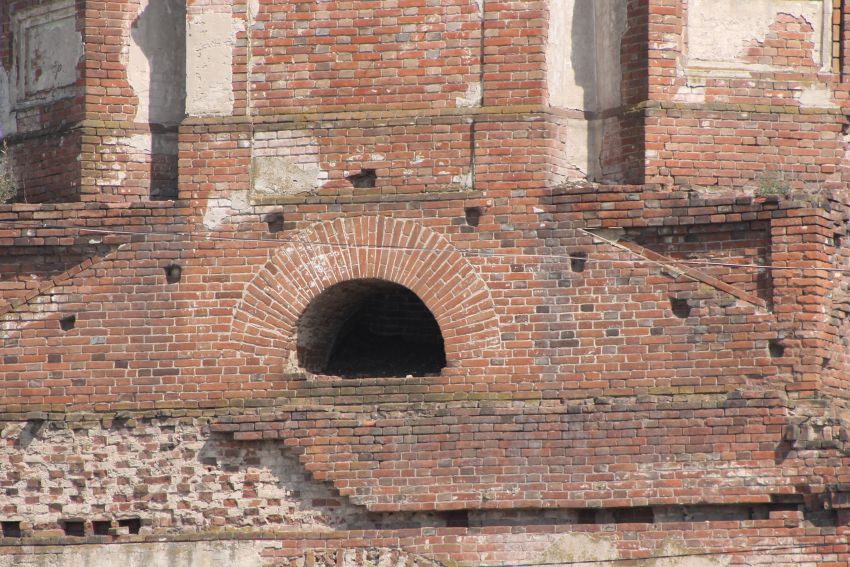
(37, 126)
(629, 370)
(773, 121)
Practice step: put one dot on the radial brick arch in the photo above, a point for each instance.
(368, 248)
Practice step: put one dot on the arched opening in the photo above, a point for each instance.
(369, 327)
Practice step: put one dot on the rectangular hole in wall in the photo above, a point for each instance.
(456, 518)
(274, 221)
(74, 528)
(637, 515)
(101, 527)
(11, 529)
(133, 525)
(68, 323)
(586, 516)
(367, 178)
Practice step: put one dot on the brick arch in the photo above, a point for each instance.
(398, 251)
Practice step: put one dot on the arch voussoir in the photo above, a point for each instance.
(398, 251)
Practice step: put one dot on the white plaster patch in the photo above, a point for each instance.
(816, 96)
(209, 64)
(563, 88)
(583, 53)
(194, 554)
(286, 162)
(239, 201)
(578, 148)
(579, 547)
(687, 559)
(480, 4)
(8, 124)
(720, 31)
(138, 73)
(220, 209)
(281, 175)
(156, 61)
(137, 143)
(215, 214)
(471, 98)
(465, 181)
(690, 94)
(48, 49)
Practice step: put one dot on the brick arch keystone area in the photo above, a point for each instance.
(404, 252)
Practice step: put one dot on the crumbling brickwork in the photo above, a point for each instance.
(460, 283)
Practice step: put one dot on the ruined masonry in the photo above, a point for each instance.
(420, 283)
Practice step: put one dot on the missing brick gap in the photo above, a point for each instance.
(74, 528)
(578, 261)
(274, 221)
(637, 515)
(473, 215)
(133, 525)
(11, 529)
(586, 516)
(776, 348)
(173, 273)
(101, 527)
(68, 323)
(681, 308)
(365, 179)
(456, 518)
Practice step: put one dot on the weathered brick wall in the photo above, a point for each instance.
(595, 338)
(767, 118)
(45, 166)
(152, 470)
(40, 106)
(670, 540)
(338, 56)
(134, 97)
(630, 370)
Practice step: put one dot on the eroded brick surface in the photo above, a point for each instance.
(629, 238)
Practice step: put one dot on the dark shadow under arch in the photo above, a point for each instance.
(369, 327)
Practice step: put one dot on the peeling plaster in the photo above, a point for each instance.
(8, 124)
(471, 98)
(579, 547)
(156, 61)
(481, 7)
(194, 554)
(138, 143)
(721, 31)
(220, 209)
(209, 64)
(690, 94)
(47, 51)
(816, 96)
(673, 561)
(583, 69)
(281, 175)
(465, 180)
(578, 150)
